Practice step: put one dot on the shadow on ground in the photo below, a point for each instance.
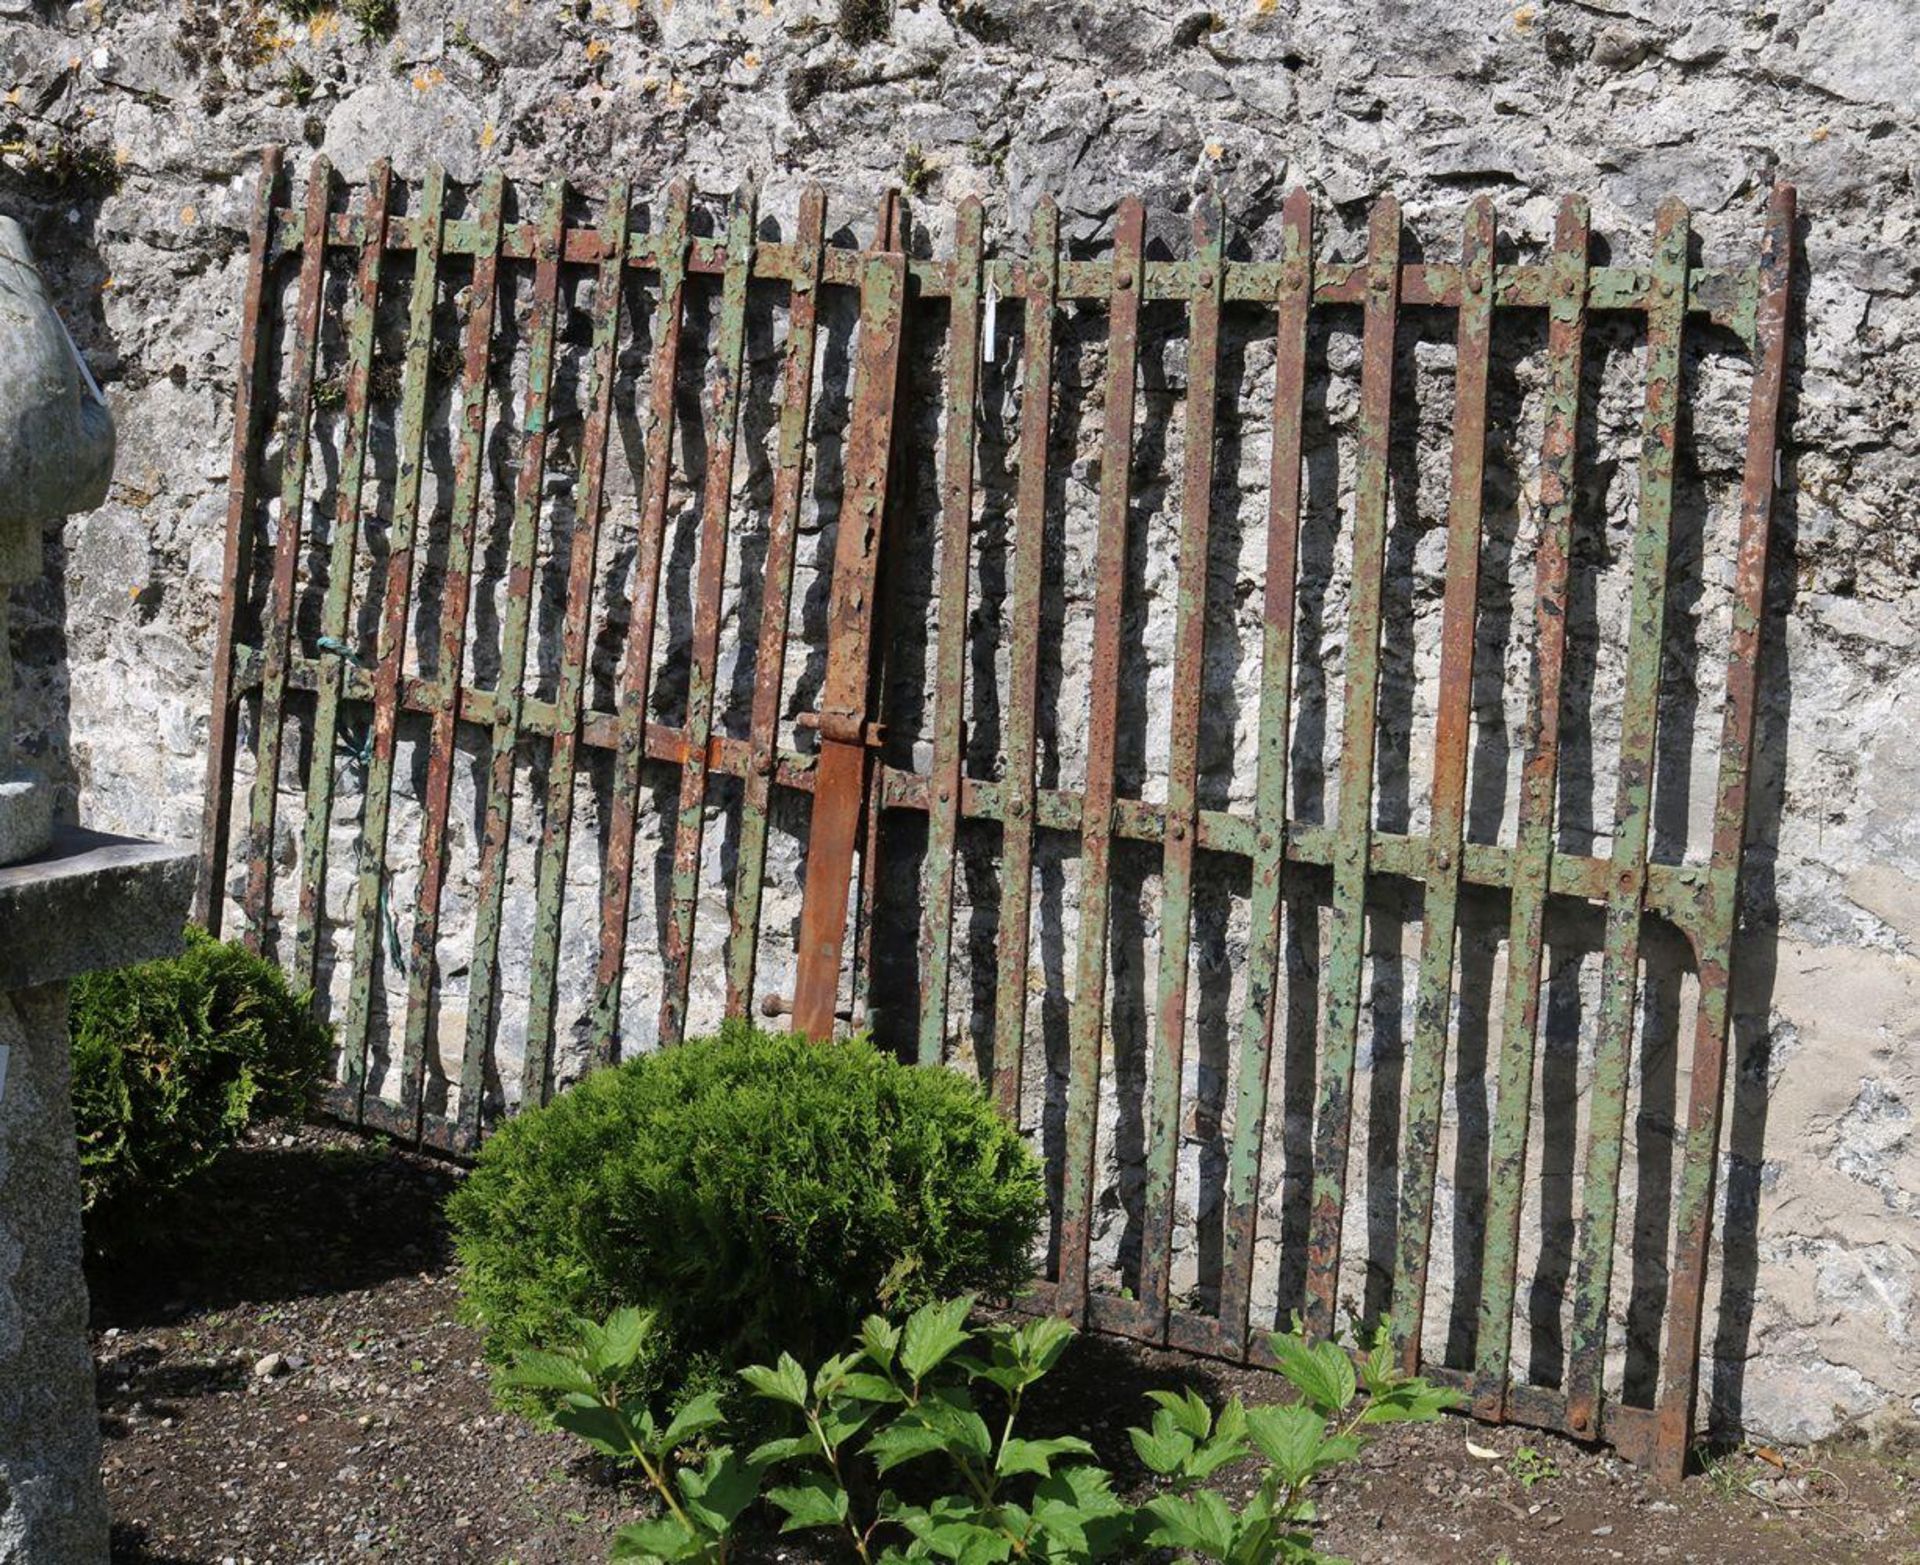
(272, 1219)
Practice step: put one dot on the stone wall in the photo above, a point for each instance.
(131, 132)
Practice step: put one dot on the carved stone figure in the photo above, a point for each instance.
(56, 459)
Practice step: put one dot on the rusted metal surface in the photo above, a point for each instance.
(1360, 701)
(1088, 1021)
(776, 602)
(237, 562)
(1023, 681)
(1633, 818)
(1539, 786)
(556, 828)
(1700, 1151)
(840, 774)
(1433, 1002)
(636, 672)
(950, 673)
(258, 847)
(361, 696)
(1183, 756)
(323, 764)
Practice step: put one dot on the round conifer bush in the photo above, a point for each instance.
(760, 1193)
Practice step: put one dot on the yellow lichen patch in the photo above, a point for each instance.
(189, 215)
(598, 48)
(1523, 18)
(1216, 151)
(1265, 7)
(323, 25)
(677, 93)
(487, 136)
(427, 80)
(1821, 132)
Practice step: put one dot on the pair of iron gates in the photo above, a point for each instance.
(888, 474)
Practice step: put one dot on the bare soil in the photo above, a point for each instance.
(282, 1378)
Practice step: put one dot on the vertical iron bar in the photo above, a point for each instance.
(1534, 833)
(840, 775)
(339, 595)
(950, 669)
(1693, 1222)
(390, 649)
(1270, 782)
(1089, 1016)
(523, 540)
(1446, 831)
(1183, 760)
(776, 599)
(1633, 814)
(277, 629)
(210, 895)
(636, 673)
(1023, 681)
(556, 831)
(1347, 958)
(443, 700)
(716, 509)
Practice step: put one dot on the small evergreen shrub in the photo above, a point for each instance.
(173, 1059)
(756, 1193)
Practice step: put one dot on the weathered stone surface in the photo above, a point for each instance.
(92, 901)
(1012, 101)
(53, 1507)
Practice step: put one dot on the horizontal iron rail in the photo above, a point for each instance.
(1725, 294)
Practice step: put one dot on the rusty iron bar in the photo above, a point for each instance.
(636, 671)
(556, 828)
(1023, 680)
(1088, 1019)
(249, 400)
(391, 638)
(470, 468)
(1361, 686)
(840, 781)
(890, 234)
(1183, 760)
(339, 591)
(1534, 831)
(776, 603)
(278, 629)
(523, 542)
(950, 657)
(716, 509)
(1633, 818)
(1446, 830)
(1693, 1219)
(1267, 903)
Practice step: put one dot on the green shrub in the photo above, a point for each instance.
(757, 1193)
(172, 1060)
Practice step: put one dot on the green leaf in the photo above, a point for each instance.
(933, 1332)
(1291, 1438)
(1410, 1402)
(623, 1336)
(604, 1428)
(1204, 1523)
(716, 1494)
(781, 1450)
(841, 1422)
(870, 1388)
(540, 1371)
(1164, 1448)
(902, 1441)
(816, 1501)
(1041, 1342)
(1189, 1413)
(698, 1416)
(785, 1383)
(1321, 1372)
(1079, 1513)
(667, 1539)
(881, 1338)
(829, 1377)
(1036, 1456)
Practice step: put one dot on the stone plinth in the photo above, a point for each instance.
(90, 901)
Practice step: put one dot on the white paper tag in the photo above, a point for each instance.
(990, 320)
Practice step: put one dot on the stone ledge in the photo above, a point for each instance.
(91, 901)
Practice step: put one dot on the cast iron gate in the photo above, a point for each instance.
(317, 630)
